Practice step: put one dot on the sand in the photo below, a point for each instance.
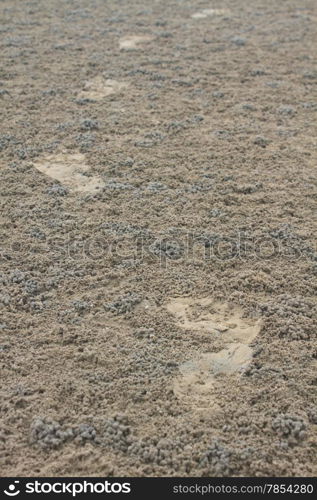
(158, 238)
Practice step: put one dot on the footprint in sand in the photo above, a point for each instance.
(71, 170)
(209, 13)
(198, 378)
(134, 42)
(100, 87)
